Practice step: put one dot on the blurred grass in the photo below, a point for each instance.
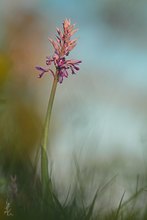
(28, 203)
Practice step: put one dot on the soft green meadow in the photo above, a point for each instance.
(88, 196)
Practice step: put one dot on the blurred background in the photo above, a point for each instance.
(99, 115)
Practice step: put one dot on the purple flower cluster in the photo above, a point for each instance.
(62, 47)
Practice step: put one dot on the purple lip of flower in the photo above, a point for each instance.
(62, 47)
(43, 71)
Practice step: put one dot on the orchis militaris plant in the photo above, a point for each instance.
(62, 66)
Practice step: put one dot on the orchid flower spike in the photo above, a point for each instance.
(63, 45)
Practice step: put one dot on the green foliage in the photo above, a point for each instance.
(30, 203)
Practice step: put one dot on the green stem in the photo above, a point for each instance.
(44, 158)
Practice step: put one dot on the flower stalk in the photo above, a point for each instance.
(44, 158)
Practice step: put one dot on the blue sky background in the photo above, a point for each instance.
(100, 43)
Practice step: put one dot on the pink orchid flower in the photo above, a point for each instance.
(62, 47)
